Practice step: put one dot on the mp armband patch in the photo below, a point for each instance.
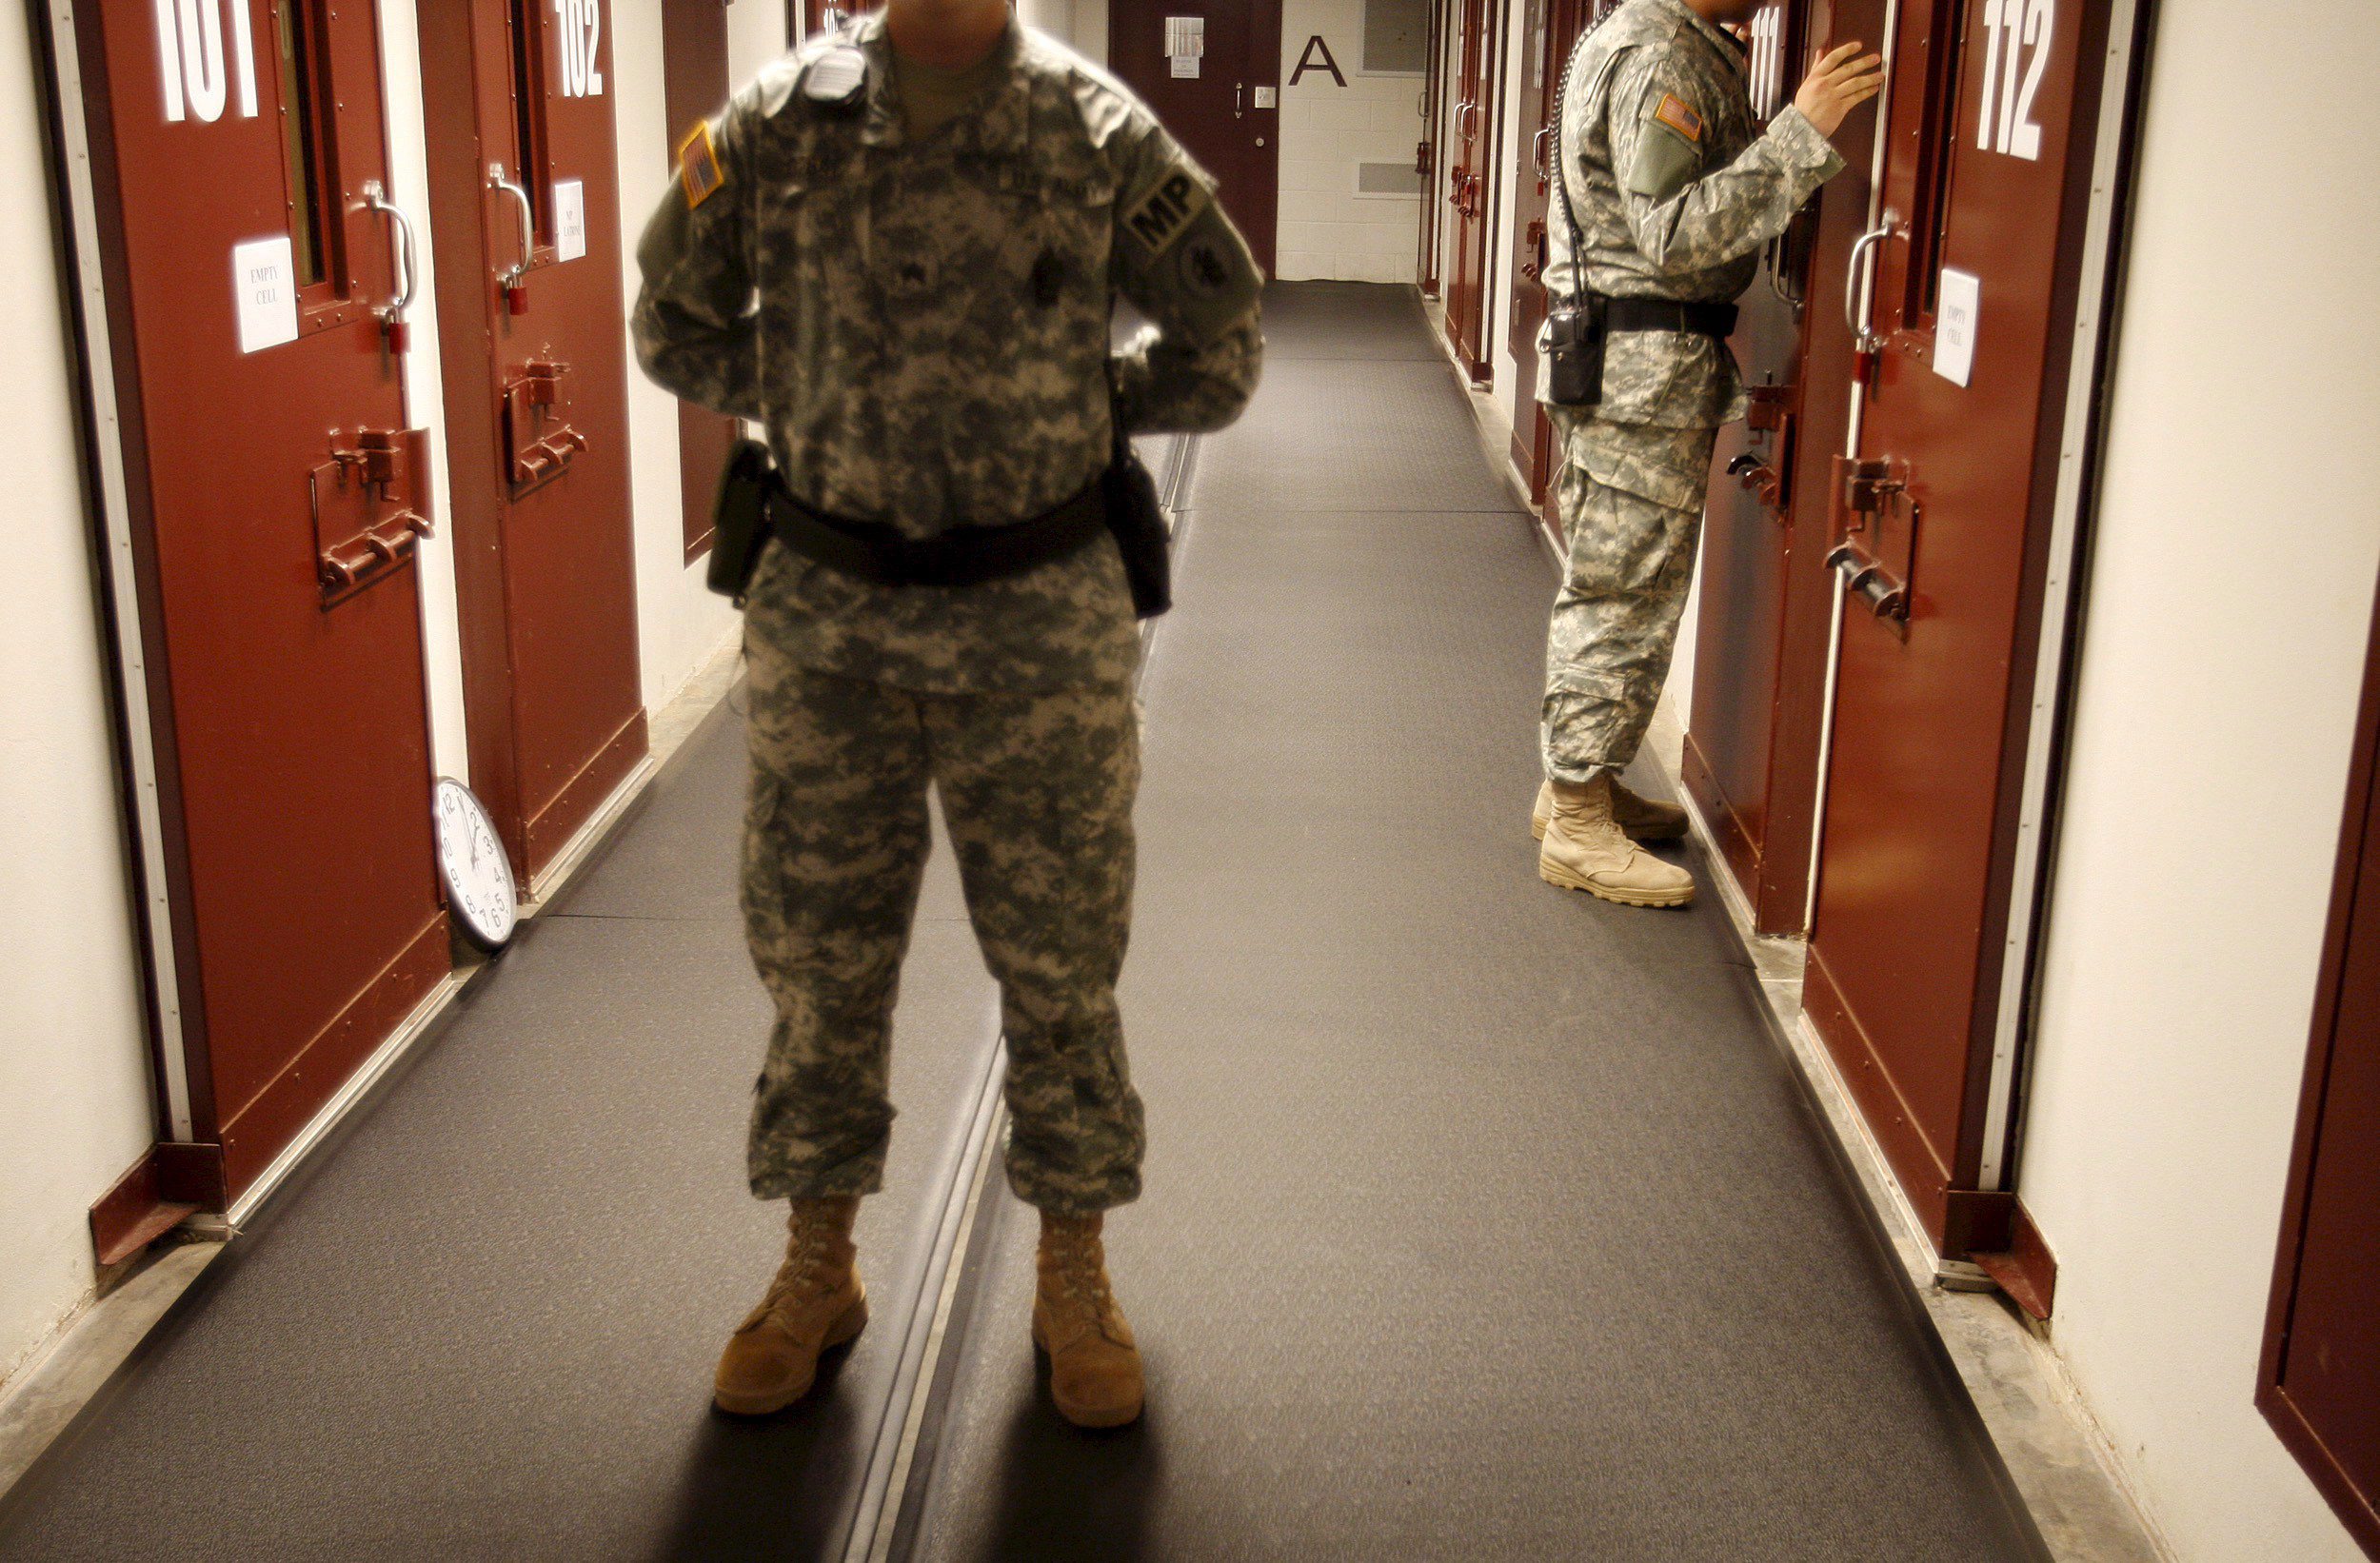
(1165, 213)
(1206, 280)
(699, 168)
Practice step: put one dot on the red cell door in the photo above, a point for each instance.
(1942, 521)
(1768, 595)
(527, 213)
(274, 518)
(2320, 1379)
(1473, 123)
(1221, 105)
(694, 83)
(1548, 30)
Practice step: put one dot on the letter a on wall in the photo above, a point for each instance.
(1306, 62)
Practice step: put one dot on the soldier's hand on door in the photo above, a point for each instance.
(1839, 84)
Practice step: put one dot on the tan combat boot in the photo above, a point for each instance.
(1585, 849)
(1643, 819)
(1094, 1366)
(815, 1302)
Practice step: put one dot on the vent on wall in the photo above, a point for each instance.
(1387, 179)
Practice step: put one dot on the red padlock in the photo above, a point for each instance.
(517, 298)
(400, 334)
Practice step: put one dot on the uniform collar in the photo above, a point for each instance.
(1723, 43)
(999, 126)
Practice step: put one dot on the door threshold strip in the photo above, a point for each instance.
(2051, 1453)
(49, 1393)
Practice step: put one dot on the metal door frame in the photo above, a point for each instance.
(108, 503)
(1428, 155)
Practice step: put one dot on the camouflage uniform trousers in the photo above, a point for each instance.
(1631, 498)
(1037, 789)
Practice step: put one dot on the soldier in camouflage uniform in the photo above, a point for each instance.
(910, 285)
(1675, 189)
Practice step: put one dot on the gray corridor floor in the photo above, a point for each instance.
(1484, 1220)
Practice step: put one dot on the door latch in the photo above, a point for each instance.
(1760, 480)
(370, 507)
(1770, 415)
(539, 442)
(1869, 486)
(1874, 528)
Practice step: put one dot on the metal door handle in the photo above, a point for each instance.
(1238, 88)
(1866, 338)
(1536, 152)
(511, 276)
(401, 297)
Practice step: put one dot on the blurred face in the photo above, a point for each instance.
(1726, 10)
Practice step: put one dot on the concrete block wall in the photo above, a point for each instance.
(1327, 229)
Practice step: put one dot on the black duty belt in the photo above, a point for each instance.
(963, 556)
(1717, 320)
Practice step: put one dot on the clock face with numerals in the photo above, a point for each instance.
(471, 860)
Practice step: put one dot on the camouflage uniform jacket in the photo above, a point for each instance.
(1676, 190)
(924, 330)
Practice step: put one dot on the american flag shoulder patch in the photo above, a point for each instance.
(1680, 115)
(698, 165)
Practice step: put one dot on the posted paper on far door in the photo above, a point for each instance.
(1958, 309)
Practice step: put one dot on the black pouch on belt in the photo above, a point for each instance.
(740, 519)
(1574, 333)
(1137, 520)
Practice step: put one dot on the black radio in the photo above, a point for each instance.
(1575, 332)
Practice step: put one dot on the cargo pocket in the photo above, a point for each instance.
(1584, 712)
(1669, 466)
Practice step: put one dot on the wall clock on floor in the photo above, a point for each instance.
(472, 864)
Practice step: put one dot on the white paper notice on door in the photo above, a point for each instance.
(1958, 307)
(570, 219)
(264, 280)
(1185, 43)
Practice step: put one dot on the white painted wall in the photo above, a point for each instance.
(2230, 595)
(1088, 23)
(1057, 18)
(756, 34)
(680, 621)
(1327, 228)
(74, 1087)
(409, 186)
